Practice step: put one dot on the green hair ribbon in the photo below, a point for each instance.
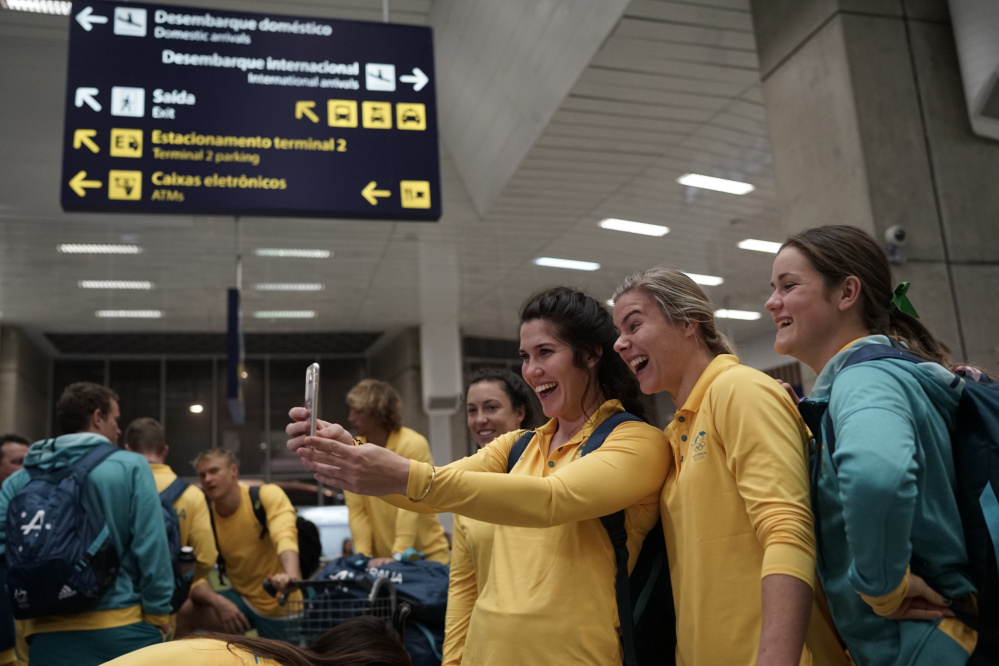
(900, 302)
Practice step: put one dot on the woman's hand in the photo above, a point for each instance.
(367, 470)
(921, 602)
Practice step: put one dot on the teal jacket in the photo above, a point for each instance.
(885, 500)
(123, 485)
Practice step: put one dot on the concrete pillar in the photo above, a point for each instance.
(24, 385)
(868, 126)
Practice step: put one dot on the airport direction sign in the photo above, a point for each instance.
(183, 110)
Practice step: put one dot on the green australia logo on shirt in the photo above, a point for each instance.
(698, 447)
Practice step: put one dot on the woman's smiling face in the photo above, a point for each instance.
(548, 367)
(652, 346)
(490, 411)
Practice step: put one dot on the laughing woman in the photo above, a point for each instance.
(735, 505)
(552, 571)
(884, 497)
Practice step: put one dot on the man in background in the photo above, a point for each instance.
(12, 451)
(13, 448)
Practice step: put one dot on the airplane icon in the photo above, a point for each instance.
(130, 21)
(379, 76)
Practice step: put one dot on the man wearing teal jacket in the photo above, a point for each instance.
(133, 612)
(885, 507)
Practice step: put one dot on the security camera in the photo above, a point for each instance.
(896, 236)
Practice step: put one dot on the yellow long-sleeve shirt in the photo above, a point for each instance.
(249, 559)
(195, 524)
(379, 529)
(552, 588)
(471, 553)
(736, 508)
(192, 652)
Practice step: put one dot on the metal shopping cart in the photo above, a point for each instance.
(326, 603)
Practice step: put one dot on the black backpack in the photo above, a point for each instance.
(310, 548)
(60, 556)
(644, 599)
(975, 448)
(171, 494)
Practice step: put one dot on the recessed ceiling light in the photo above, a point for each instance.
(197, 409)
(284, 314)
(760, 245)
(737, 314)
(292, 253)
(609, 302)
(719, 184)
(115, 284)
(129, 314)
(62, 7)
(553, 262)
(95, 248)
(706, 280)
(288, 286)
(615, 224)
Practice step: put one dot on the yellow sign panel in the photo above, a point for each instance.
(411, 116)
(415, 193)
(126, 142)
(376, 115)
(342, 112)
(125, 185)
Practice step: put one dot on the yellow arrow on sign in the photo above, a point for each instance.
(84, 137)
(369, 193)
(305, 109)
(80, 182)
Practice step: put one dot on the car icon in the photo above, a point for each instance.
(342, 112)
(410, 116)
(377, 117)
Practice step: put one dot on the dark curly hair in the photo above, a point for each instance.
(586, 326)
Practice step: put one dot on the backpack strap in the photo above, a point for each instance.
(93, 458)
(221, 558)
(518, 449)
(258, 509)
(173, 492)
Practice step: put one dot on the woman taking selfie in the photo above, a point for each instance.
(735, 505)
(891, 548)
(496, 402)
(549, 589)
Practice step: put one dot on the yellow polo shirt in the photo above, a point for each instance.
(195, 523)
(379, 529)
(192, 652)
(471, 552)
(550, 592)
(736, 508)
(250, 559)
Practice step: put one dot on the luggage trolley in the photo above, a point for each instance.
(326, 603)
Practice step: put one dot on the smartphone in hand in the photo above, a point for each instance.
(312, 396)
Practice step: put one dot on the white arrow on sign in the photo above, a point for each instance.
(86, 96)
(417, 78)
(87, 18)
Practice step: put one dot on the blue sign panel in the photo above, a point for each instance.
(191, 111)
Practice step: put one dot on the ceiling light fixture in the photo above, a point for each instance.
(759, 245)
(630, 227)
(572, 264)
(291, 253)
(115, 284)
(61, 7)
(288, 286)
(97, 248)
(737, 314)
(718, 184)
(129, 314)
(197, 409)
(284, 314)
(706, 280)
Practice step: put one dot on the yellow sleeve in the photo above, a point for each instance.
(887, 604)
(765, 444)
(281, 518)
(199, 534)
(361, 532)
(462, 591)
(630, 465)
(414, 446)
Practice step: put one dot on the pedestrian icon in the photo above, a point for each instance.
(126, 142)
(379, 76)
(376, 115)
(129, 102)
(130, 21)
(415, 193)
(125, 185)
(342, 112)
(411, 116)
